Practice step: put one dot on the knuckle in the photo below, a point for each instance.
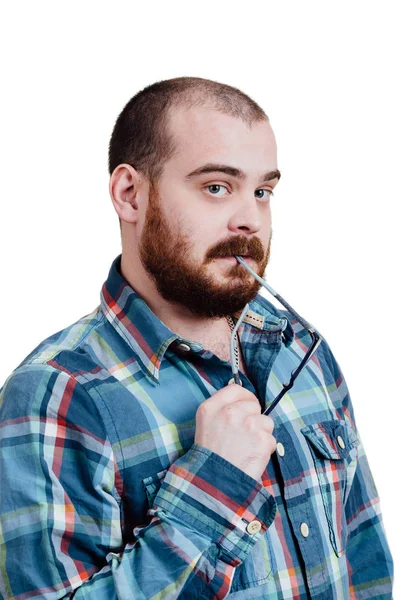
(252, 405)
(228, 413)
(251, 397)
(269, 423)
(261, 436)
(247, 395)
(203, 409)
(251, 425)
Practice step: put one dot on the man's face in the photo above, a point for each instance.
(196, 223)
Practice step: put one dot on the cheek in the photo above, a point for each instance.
(199, 243)
(208, 232)
(201, 226)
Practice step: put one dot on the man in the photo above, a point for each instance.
(131, 466)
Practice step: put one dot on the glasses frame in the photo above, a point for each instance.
(316, 338)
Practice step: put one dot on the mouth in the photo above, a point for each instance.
(233, 258)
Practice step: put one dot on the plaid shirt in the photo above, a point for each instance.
(105, 495)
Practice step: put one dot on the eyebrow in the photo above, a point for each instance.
(233, 171)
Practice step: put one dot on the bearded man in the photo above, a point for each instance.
(133, 465)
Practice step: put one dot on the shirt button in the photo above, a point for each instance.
(184, 347)
(280, 449)
(341, 442)
(232, 380)
(253, 527)
(304, 529)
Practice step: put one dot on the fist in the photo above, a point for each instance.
(230, 424)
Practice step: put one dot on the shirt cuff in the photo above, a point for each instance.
(212, 496)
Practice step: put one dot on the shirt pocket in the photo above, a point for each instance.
(334, 448)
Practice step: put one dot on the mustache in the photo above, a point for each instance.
(240, 245)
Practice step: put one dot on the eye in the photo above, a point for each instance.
(267, 196)
(214, 188)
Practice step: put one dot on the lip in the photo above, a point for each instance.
(233, 259)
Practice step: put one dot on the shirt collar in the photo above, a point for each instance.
(149, 337)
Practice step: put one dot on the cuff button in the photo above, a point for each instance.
(253, 527)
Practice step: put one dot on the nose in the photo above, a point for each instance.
(247, 218)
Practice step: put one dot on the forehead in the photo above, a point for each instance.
(203, 135)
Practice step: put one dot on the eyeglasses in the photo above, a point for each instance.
(315, 337)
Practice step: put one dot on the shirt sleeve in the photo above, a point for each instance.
(370, 563)
(60, 521)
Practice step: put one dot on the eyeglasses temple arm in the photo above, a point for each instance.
(276, 295)
(287, 386)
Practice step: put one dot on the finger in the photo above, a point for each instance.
(242, 408)
(228, 395)
(260, 422)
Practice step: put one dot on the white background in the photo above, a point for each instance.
(327, 74)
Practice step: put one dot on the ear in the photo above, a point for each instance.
(127, 190)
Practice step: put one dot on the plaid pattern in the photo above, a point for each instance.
(105, 495)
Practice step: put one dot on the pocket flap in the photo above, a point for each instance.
(332, 439)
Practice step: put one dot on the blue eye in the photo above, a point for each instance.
(216, 185)
(269, 193)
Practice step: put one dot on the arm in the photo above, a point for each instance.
(59, 507)
(369, 559)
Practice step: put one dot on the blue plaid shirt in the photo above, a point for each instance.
(105, 495)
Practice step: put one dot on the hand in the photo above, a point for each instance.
(230, 424)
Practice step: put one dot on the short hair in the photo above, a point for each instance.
(141, 137)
